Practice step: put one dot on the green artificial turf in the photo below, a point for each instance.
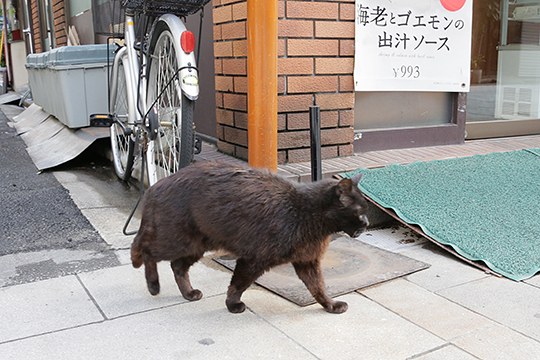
(487, 207)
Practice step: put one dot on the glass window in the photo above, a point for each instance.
(505, 58)
(383, 110)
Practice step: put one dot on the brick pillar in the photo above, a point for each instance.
(60, 26)
(315, 65)
(230, 52)
(36, 35)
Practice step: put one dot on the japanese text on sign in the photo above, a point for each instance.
(421, 45)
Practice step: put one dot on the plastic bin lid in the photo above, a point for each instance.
(37, 60)
(81, 54)
(30, 61)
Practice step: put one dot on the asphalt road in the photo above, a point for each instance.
(42, 232)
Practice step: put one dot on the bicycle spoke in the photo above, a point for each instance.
(167, 106)
(121, 144)
(173, 146)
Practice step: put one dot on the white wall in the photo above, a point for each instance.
(18, 56)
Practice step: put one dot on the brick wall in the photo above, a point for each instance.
(60, 26)
(36, 37)
(315, 65)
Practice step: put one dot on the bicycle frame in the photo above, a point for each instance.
(128, 52)
(131, 85)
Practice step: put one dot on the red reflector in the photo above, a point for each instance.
(187, 41)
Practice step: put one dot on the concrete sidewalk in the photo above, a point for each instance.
(449, 311)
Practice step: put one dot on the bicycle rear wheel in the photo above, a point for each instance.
(172, 111)
(122, 145)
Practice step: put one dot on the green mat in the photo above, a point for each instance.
(486, 207)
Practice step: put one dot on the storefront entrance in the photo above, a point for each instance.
(504, 99)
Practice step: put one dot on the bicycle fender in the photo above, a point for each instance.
(189, 75)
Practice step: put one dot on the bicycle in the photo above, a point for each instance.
(153, 86)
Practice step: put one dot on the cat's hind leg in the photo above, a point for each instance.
(180, 268)
(136, 254)
(151, 274)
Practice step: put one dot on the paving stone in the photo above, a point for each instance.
(366, 331)
(425, 309)
(95, 189)
(40, 307)
(124, 256)
(446, 270)
(122, 290)
(200, 330)
(511, 303)
(109, 223)
(449, 352)
(535, 281)
(497, 342)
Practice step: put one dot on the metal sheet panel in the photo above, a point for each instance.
(29, 119)
(42, 132)
(9, 97)
(49, 142)
(63, 146)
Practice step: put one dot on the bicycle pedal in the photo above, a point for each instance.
(153, 124)
(197, 145)
(101, 120)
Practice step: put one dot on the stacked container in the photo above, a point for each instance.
(70, 82)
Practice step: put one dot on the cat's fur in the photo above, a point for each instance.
(255, 215)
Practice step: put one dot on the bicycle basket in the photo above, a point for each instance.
(159, 7)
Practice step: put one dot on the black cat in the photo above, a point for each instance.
(259, 217)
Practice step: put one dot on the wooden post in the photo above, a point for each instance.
(262, 19)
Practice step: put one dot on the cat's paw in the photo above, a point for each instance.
(153, 287)
(193, 295)
(337, 307)
(236, 308)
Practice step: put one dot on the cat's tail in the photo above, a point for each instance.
(136, 254)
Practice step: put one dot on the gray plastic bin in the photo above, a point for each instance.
(73, 83)
(3, 80)
(36, 64)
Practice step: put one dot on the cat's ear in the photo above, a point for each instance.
(356, 179)
(344, 186)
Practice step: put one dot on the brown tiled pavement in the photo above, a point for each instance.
(302, 171)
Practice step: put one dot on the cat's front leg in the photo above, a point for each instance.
(245, 273)
(310, 273)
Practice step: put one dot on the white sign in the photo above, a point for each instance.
(415, 45)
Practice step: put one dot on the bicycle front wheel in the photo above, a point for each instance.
(122, 145)
(172, 111)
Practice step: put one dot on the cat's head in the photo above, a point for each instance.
(350, 206)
